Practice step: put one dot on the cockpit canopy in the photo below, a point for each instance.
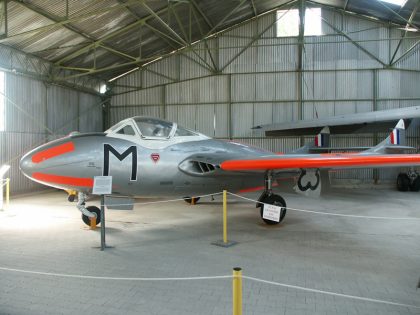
(151, 128)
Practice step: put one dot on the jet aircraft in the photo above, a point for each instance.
(153, 157)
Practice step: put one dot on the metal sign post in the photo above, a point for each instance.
(102, 186)
(103, 244)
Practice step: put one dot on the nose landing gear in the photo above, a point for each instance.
(268, 197)
(88, 212)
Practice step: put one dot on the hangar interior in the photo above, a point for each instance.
(220, 68)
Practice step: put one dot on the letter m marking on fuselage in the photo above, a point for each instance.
(121, 156)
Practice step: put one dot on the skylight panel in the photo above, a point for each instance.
(288, 22)
(400, 3)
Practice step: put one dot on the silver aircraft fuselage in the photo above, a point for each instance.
(176, 165)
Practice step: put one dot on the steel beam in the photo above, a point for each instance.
(301, 55)
(107, 37)
(69, 20)
(398, 15)
(354, 42)
(254, 8)
(345, 5)
(413, 14)
(57, 19)
(215, 65)
(255, 38)
(206, 19)
(226, 17)
(410, 50)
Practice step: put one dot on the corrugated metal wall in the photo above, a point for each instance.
(257, 81)
(36, 112)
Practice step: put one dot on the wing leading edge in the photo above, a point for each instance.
(323, 161)
(374, 157)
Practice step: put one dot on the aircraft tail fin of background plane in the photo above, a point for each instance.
(323, 138)
(394, 143)
(321, 143)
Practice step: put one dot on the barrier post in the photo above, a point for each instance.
(224, 242)
(7, 192)
(237, 291)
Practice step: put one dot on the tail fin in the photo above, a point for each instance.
(394, 143)
(321, 140)
(397, 135)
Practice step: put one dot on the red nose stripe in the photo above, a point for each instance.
(52, 152)
(64, 180)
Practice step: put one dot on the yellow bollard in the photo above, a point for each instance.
(224, 242)
(192, 201)
(93, 223)
(7, 192)
(224, 216)
(237, 291)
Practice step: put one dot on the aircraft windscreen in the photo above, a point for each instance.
(150, 127)
(182, 132)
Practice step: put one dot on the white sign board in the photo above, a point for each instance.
(102, 185)
(271, 213)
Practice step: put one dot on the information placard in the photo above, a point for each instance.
(272, 213)
(102, 185)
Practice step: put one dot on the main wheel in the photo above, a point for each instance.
(403, 182)
(275, 200)
(415, 185)
(190, 200)
(96, 210)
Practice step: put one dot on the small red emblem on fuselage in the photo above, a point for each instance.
(155, 157)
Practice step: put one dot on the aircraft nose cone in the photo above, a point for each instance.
(26, 165)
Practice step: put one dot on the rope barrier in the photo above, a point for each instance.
(62, 275)
(331, 214)
(354, 297)
(164, 201)
(198, 278)
(256, 201)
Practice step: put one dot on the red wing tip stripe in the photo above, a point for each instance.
(64, 180)
(327, 162)
(52, 152)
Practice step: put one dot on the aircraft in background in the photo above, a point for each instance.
(366, 122)
(149, 157)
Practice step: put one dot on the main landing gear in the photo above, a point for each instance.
(408, 181)
(268, 197)
(191, 200)
(87, 212)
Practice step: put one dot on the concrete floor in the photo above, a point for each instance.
(378, 259)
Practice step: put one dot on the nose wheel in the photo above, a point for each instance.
(191, 200)
(268, 197)
(96, 211)
(275, 200)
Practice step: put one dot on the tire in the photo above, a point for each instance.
(97, 211)
(403, 182)
(190, 200)
(415, 185)
(273, 200)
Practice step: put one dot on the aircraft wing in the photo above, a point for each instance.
(322, 161)
(377, 121)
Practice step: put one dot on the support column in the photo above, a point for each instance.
(301, 51)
